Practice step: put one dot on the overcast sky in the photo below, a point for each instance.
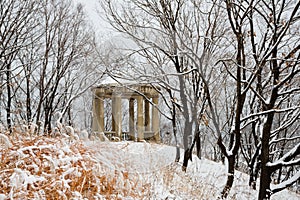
(102, 28)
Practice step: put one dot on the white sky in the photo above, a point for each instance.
(97, 19)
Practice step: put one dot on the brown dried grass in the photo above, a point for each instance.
(40, 167)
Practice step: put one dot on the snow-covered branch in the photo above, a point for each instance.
(270, 111)
(286, 159)
(283, 185)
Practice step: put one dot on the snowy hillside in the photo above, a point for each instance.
(56, 168)
(154, 166)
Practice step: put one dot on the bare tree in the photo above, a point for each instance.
(274, 86)
(16, 21)
(176, 43)
(48, 60)
(65, 47)
(279, 92)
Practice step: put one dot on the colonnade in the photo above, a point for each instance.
(142, 122)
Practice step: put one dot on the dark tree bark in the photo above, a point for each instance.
(9, 97)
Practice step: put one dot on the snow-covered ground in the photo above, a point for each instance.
(154, 164)
(56, 168)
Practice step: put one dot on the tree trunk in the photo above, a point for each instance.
(198, 144)
(265, 181)
(28, 98)
(69, 112)
(8, 106)
(187, 144)
(47, 125)
(177, 157)
(230, 177)
(254, 167)
(265, 178)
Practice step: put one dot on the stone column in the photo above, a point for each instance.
(147, 123)
(131, 118)
(95, 108)
(101, 115)
(140, 118)
(98, 114)
(117, 115)
(155, 119)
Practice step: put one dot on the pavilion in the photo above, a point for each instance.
(142, 102)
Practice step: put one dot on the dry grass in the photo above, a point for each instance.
(51, 168)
